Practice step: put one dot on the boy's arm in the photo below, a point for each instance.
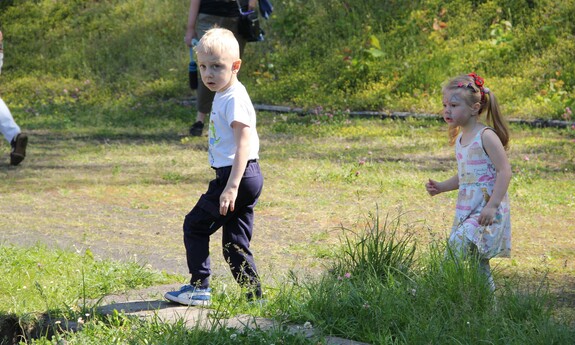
(230, 193)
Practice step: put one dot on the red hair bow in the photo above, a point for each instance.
(478, 80)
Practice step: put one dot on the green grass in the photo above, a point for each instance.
(122, 193)
(100, 88)
(61, 282)
(117, 55)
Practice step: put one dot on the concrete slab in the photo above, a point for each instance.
(149, 303)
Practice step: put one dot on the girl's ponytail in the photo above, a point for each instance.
(495, 118)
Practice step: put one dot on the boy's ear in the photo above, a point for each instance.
(236, 65)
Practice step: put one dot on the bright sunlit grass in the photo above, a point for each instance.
(128, 193)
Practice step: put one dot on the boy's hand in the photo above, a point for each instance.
(228, 200)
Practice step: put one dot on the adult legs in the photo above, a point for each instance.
(204, 95)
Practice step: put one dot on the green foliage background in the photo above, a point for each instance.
(96, 63)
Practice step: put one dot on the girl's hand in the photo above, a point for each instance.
(432, 187)
(487, 215)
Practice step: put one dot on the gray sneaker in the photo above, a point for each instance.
(190, 295)
(18, 152)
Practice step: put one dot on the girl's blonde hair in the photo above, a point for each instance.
(473, 91)
(219, 41)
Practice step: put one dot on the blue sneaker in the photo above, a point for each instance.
(190, 295)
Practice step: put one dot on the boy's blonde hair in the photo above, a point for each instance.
(473, 91)
(218, 41)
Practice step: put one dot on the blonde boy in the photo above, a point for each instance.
(233, 153)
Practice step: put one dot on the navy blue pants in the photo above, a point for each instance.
(204, 219)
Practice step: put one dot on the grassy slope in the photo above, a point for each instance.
(66, 58)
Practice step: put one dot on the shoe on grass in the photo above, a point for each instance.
(18, 152)
(197, 129)
(190, 295)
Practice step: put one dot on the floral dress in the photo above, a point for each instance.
(476, 181)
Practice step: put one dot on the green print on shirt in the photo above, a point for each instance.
(212, 131)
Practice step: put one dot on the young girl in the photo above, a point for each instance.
(482, 218)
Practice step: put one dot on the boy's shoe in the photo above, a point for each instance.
(18, 152)
(197, 129)
(190, 295)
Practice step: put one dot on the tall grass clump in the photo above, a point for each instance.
(379, 290)
(380, 250)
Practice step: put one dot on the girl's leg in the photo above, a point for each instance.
(485, 268)
(462, 247)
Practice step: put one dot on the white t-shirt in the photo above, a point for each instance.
(233, 104)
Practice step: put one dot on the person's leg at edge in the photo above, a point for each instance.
(8, 126)
(11, 131)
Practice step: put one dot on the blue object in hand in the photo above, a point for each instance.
(193, 71)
